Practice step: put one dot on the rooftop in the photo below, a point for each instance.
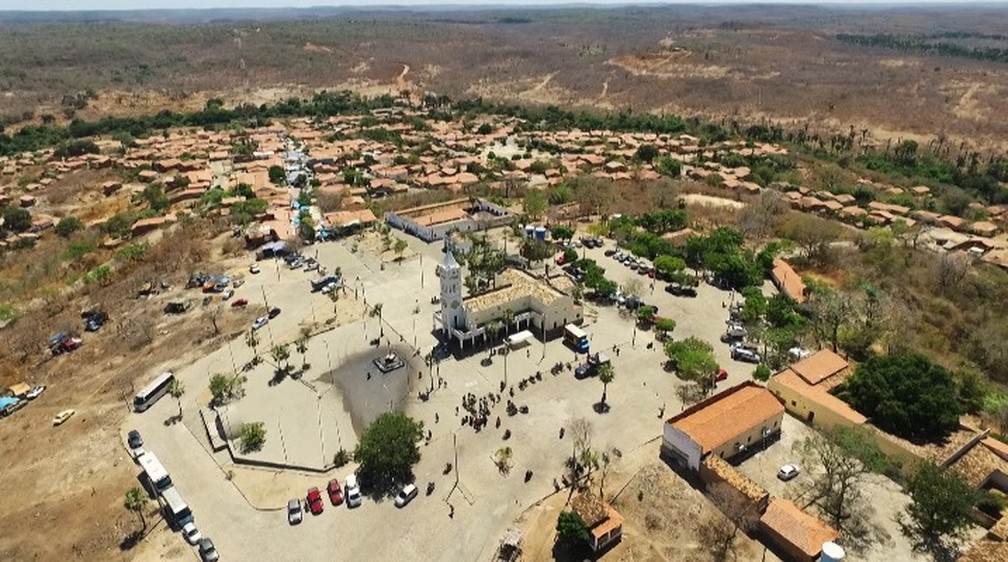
(750, 489)
(723, 417)
(513, 285)
(790, 283)
(819, 366)
(797, 527)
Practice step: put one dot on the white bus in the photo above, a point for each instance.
(153, 392)
(155, 471)
(175, 508)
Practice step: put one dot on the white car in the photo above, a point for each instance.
(191, 533)
(35, 392)
(260, 322)
(352, 491)
(406, 495)
(294, 511)
(788, 471)
(254, 269)
(62, 417)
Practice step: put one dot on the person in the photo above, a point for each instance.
(436, 418)
(451, 511)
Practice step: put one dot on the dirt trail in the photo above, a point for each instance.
(543, 84)
(401, 79)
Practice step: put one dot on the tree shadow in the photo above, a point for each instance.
(601, 407)
(172, 420)
(131, 540)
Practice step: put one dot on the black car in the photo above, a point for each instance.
(680, 290)
(274, 312)
(133, 439)
(610, 252)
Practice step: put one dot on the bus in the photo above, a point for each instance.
(576, 338)
(155, 471)
(175, 509)
(152, 392)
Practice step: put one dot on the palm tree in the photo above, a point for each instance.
(507, 318)
(301, 345)
(136, 501)
(252, 341)
(280, 354)
(606, 374)
(177, 389)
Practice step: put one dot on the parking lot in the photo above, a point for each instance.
(463, 521)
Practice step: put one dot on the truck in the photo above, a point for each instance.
(576, 338)
(176, 511)
(322, 282)
(591, 366)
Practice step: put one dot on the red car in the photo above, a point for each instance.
(240, 303)
(560, 260)
(721, 375)
(335, 492)
(315, 501)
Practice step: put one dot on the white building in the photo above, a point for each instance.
(519, 300)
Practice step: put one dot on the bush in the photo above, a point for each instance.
(252, 436)
(341, 458)
(16, 219)
(67, 226)
(761, 373)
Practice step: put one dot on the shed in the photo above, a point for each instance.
(20, 389)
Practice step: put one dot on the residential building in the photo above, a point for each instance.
(605, 524)
(787, 280)
(725, 425)
(797, 534)
(804, 390)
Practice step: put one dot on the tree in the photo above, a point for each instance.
(633, 287)
(663, 326)
(534, 204)
(224, 388)
(136, 501)
(562, 232)
(693, 359)
(839, 462)
(388, 449)
(830, 311)
(281, 354)
(907, 395)
(16, 219)
(572, 531)
(813, 234)
(972, 389)
(668, 166)
(252, 436)
(762, 373)
(941, 507)
(155, 197)
(301, 345)
(646, 153)
(718, 533)
(176, 389)
(669, 265)
(306, 227)
(399, 246)
(277, 176)
(67, 226)
(252, 341)
(606, 374)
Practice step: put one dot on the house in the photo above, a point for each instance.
(605, 524)
(951, 222)
(432, 222)
(984, 228)
(725, 425)
(144, 226)
(787, 280)
(797, 534)
(803, 389)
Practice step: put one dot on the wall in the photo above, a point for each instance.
(800, 406)
(675, 440)
(751, 438)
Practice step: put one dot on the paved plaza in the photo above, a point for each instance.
(308, 420)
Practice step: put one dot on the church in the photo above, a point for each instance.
(519, 301)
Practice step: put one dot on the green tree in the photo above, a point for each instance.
(388, 449)
(306, 227)
(224, 388)
(155, 197)
(281, 354)
(177, 389)
(941, 507)
(399, 246)
(606, 374)
(67, 226)
(663, 326)
(534, 204)
(562, 232)
(572, 531)
(301, 345)
(277, 176)
(16, 219)
(762, 373)
(972, 389)
(669, 265)
(252, 436)
(907, 395)
(136, 501)
(693, 359)
(646, 153)
(668, 166)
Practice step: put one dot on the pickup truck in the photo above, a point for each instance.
(590, 368)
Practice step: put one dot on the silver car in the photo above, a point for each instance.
(294, 511)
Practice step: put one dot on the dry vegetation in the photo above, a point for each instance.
(743, 64)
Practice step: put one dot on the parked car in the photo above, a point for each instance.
(680, 290)
(35, 392)
(274, 312)
(406, 495)
(743, 353)
(294, 511)
(721, 375)
(191, 533)
(734, 333)
(227, 294)
(94, 320)
(609, 253)
(208, 551)
(134, 440)
(62, 417)
(335, 492)
(240, 303)
(352, 491)
(259, 322)
(254, 269)
(560, 260)
(237, 283)
(787, 472)
(314, 500)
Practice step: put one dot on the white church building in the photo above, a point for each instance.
(520, 300)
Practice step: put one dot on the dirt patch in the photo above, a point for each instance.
(312, 48)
